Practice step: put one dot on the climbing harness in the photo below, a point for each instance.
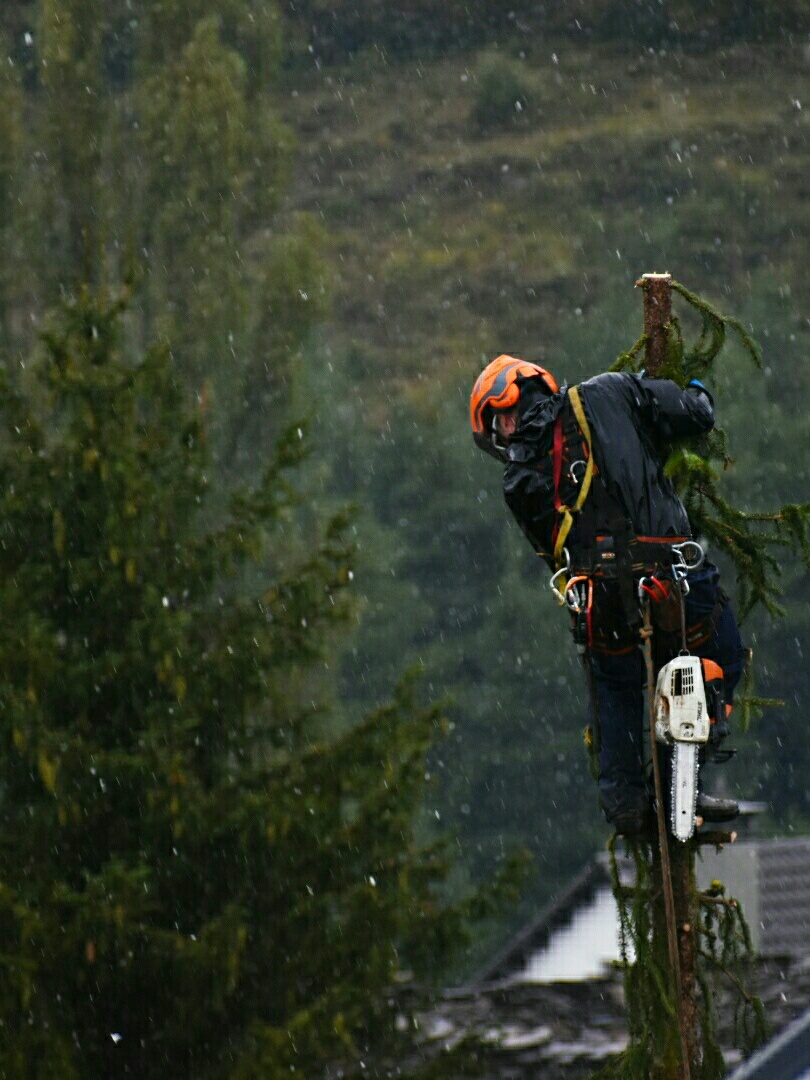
(681, 713)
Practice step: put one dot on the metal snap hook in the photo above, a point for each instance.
(559, 573)
(579, 594)
(691, 554)
(572, 471)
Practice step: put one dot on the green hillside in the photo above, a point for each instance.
(454, 239)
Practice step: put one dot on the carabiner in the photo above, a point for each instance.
(657, 590)
(579, 594)
(691, 546)
(572, 471)
(679, 571)
(559, 573)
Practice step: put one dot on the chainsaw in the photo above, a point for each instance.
(683, 721)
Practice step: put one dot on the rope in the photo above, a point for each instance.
(663, 844)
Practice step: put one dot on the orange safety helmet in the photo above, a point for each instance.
(496, 390)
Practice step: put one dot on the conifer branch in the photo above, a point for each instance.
(627, 359)
(714, 324)
(738, 985)
(752, 539)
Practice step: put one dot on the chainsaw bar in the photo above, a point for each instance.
(683, 801)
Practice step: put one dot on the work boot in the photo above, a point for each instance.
(714, 809)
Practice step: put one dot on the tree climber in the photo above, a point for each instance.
(584, 478)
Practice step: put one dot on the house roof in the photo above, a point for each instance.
(535, 936)
(566, 1030)
(786, 1057)
(770, 878)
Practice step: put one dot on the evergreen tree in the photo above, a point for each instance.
(10, 145)
(216, 158)
(71, 86)
(192, 882)
(153, 140)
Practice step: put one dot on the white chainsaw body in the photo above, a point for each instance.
(682, 722)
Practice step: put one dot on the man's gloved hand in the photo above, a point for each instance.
(719, 731)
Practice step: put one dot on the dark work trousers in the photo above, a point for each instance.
(618, 695)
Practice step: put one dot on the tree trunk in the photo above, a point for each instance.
(657, 317)
(681, 860)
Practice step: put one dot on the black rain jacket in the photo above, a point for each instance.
(632, 419)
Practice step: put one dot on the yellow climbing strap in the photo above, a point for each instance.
(568, 512)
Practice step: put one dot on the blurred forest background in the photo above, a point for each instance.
(254, 258)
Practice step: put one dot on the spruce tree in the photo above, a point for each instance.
(193, 882)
